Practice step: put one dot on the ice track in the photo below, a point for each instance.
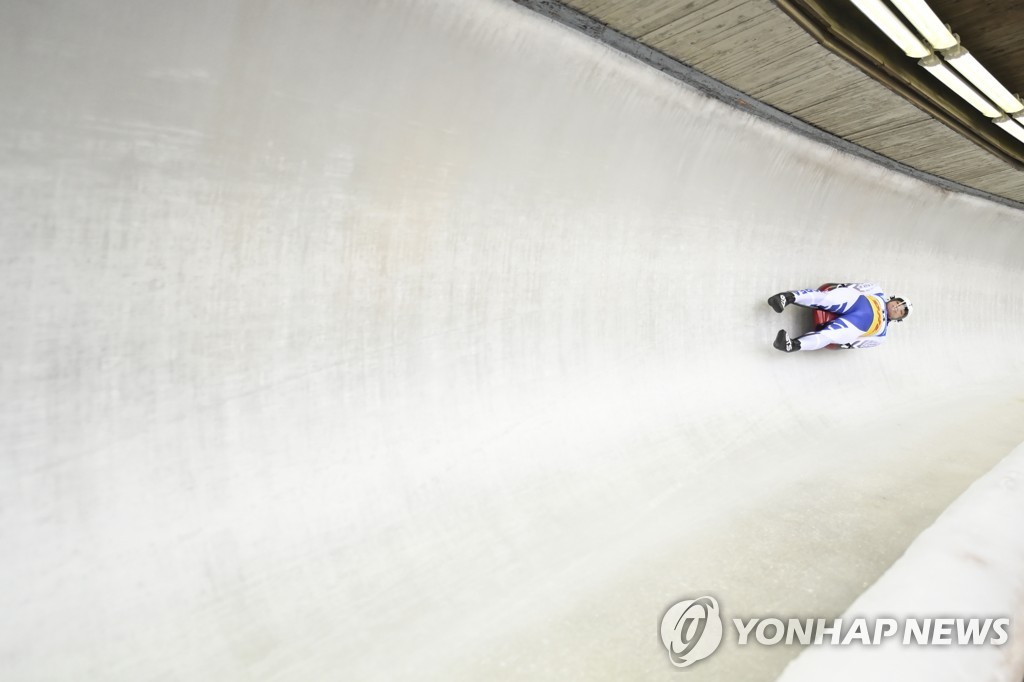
(427, 341)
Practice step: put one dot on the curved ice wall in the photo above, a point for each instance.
(427, 340)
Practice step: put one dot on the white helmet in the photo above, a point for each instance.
(908, 307)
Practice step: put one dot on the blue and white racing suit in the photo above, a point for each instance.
(862, 316)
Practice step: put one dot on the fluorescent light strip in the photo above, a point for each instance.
(891, 25)
(936, 68)
(1011, 126)
(926, 23)
(962, 60)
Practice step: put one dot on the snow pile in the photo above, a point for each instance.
(968, 564)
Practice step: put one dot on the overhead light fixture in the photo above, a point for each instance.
(979, 88)
(1011, 126)
(936, 68)
(962, 60)
(883, 18)
(927, 23)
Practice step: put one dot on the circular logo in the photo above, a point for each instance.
(691, 630)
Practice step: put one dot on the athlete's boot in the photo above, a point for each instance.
(780, 301)
(784, 343)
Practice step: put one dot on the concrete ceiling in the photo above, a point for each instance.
(992, 29)
(825, 65)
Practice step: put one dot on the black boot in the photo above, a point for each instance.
(784, 343)
(780, 301)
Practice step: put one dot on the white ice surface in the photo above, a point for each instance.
(427, 340)
(968, 564)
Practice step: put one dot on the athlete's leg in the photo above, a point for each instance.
(838, 331)
(836, 301)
